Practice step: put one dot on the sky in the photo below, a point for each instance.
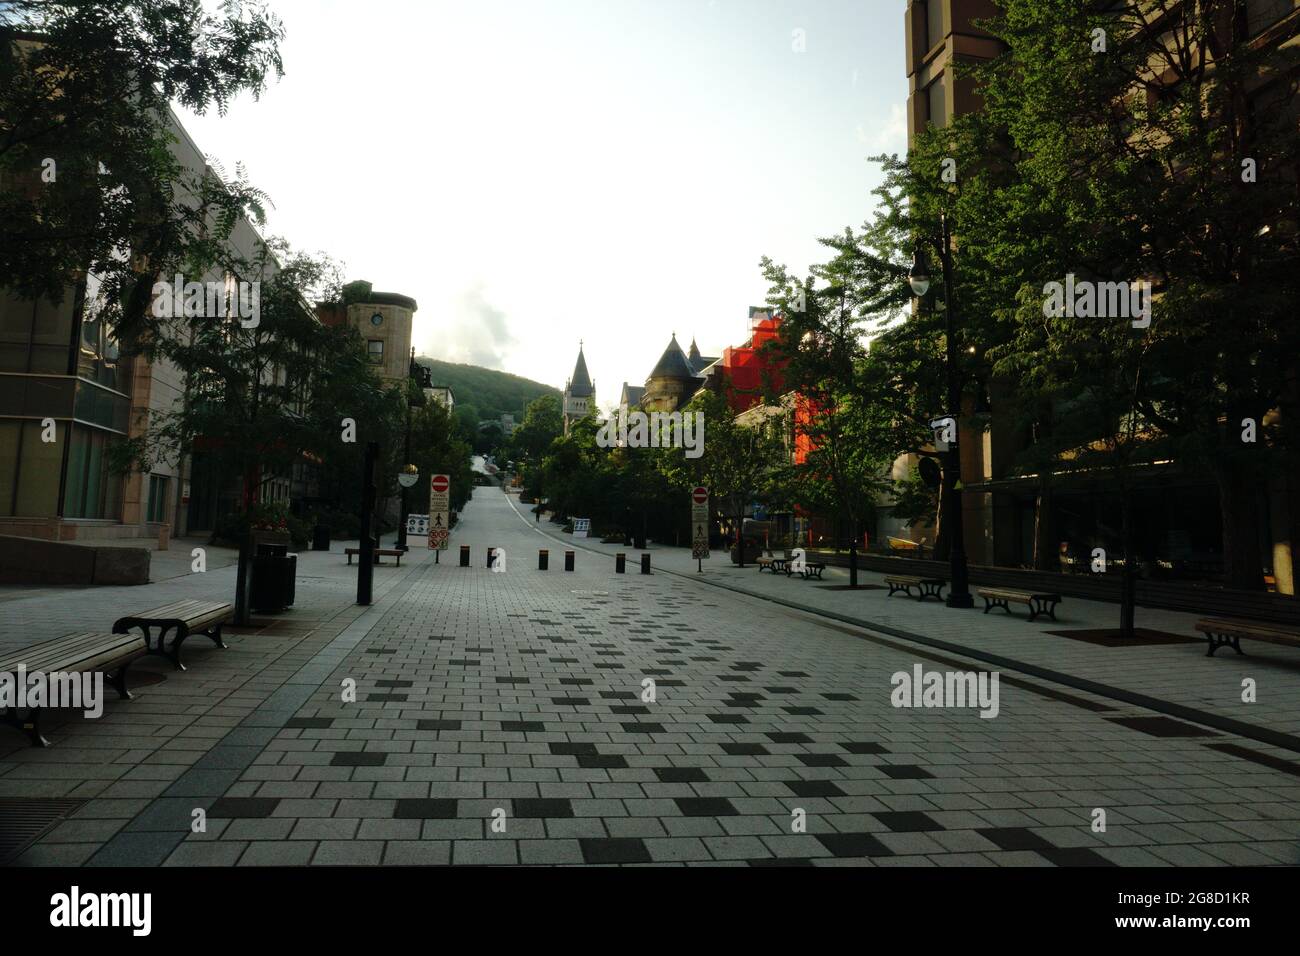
(539, 172)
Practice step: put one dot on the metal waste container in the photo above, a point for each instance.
(275, 571)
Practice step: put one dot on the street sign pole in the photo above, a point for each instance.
(699, 526)
(439, 514)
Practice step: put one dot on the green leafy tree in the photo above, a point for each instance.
(88, 184)
(542, 424)
(438, 449)
(1165, 158)
(737, 463)
(821, 343)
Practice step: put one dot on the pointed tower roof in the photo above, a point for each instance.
(580, 384)
(673, 363)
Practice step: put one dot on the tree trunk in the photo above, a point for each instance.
(1239, 510)
(853, 552)
(740, 536)
(1046, 556)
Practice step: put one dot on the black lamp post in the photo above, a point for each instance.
(919, 278)
(409, 474)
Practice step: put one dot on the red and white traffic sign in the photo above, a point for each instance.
(700, 522)
(439, 512)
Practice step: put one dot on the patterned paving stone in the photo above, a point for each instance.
(523, 693)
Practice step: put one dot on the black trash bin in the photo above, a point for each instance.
(320, 538)
(275, 571)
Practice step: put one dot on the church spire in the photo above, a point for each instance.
(580, 384)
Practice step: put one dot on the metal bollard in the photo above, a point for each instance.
(620, 563)
(464, 556)
(543, 559)
(645, 564)
(568, 560)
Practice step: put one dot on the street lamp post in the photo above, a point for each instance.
(407, 478)
(410, 474)
(919, 278)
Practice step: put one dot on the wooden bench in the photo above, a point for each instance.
(379, 552)
(184, 618)
(764, 561)
(926, 587)
(108, 654)
(1036, 602)
(1221, 632)
(811, 569)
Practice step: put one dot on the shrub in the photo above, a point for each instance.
(232, 528)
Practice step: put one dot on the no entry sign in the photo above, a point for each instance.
(439, 512)
(700, 496)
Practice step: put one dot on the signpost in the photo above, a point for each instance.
(581, 527)
(700, 526)
(439, 525)
(417, 526)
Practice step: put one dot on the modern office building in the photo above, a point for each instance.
(69, 396)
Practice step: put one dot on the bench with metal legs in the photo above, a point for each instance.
(108, 654)
(181, 620)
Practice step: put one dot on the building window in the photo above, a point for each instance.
(157, 513)
(937, 102)
(933, 23)
(1262, 14)
(92, 490)
(376, 349)
(29, 469)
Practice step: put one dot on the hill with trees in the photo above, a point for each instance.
(489, 392)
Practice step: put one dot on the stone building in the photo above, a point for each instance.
(579, 393)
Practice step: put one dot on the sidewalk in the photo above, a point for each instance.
(1179, 673)
(325, 585)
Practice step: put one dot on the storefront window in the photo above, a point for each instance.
(92, 490)
(158, 510)
(9, 437)
(36, 487)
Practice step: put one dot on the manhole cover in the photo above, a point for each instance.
(23, 822)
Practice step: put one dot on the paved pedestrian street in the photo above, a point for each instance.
(543, 717)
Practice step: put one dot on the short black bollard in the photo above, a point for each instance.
(645, 564)
(464, 556)
(568, 560)
(620, 563)
(543, 559)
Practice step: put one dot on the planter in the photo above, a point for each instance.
(274, 538)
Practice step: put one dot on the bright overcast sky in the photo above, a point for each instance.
(535, 172)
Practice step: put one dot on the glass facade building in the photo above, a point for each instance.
(65, 400)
